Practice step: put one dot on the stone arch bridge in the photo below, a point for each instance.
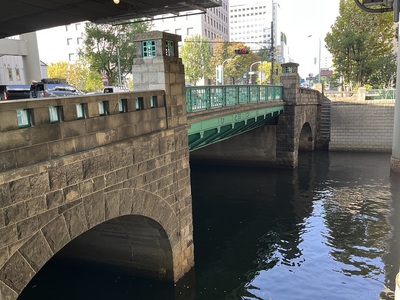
(106, 178)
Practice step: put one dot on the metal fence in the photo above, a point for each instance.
(380, 94)
(208, 97)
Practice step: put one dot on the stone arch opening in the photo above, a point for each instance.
(132, 244)
(306, 142)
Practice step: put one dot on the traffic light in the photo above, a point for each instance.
(241, 51)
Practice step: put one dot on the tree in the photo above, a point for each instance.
(358, 40)
(77, 74)
(101, 45)
(238, 67)
(266, 68)
(196, 57)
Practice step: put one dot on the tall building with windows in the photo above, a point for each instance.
(60, 43)
(213, 23)
(255, 23)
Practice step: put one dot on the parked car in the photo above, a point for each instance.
(115, 89)
(52, 87)
(14, 92)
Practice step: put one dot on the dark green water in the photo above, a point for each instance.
(329, 229)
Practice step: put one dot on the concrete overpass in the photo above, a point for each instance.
(20, 17)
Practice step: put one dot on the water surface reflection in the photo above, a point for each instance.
(327, 230)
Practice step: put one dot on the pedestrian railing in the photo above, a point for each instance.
(208, 97)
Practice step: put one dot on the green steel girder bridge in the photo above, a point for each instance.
(216, 113)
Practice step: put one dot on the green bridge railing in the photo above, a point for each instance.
(208, 97)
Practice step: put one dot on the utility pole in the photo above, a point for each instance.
(272, 53)
(119, 68)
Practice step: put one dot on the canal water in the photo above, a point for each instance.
(330, 229)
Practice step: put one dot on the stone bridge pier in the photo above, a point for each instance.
(104, 179)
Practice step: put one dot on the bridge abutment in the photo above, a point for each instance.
(117, 164)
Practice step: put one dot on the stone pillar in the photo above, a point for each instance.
(157, 66)
(286, 141)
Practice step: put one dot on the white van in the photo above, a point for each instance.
(115, 89)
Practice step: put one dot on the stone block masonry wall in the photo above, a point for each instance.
(362, 125)
(45, 206)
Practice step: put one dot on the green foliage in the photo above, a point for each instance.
(102, 43)
(76, 74)
(239, 64)
(360, 43)
(196, 57)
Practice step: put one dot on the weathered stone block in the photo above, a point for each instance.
(57, 178)
(36, 206)
(74, 173)
(76, 221)
(39, 184)
(56, 234)
(71, 193)
(36, 251)
(94, 209)
(17, 272)
(28, 227)
(31, 155)
(15, 213)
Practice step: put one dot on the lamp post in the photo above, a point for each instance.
(251, 72)
(222, 70)
(319, 59)
(119, 68)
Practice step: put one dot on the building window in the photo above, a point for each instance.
(123, 105)
(18, 74)
(79, 40)
(139, 103)
(10, 74)
(24, 118)
(71, 57)
(69, 41)
(149, 48)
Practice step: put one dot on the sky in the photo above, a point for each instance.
(299, 19)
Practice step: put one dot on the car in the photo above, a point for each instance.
(14, 92)
(115, 89)
(52, 87)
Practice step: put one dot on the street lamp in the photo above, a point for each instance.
(251, 72)
(319, 58)
(119, 68)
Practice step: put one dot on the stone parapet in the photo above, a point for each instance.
(106, 119)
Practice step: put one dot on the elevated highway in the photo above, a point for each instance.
(19, 16)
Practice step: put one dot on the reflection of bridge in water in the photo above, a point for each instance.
(111, 172)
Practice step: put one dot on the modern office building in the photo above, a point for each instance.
(255, 23)
(212, 23)
(19, 60)
(60, 43)
(21, 55)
